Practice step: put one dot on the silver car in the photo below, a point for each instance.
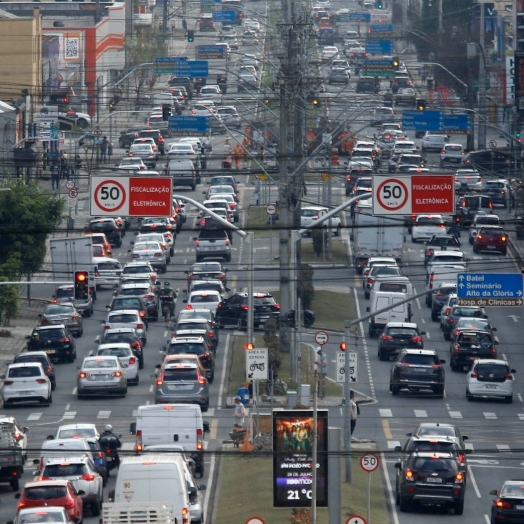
(66, 295)
(182, 383)
(42, 515)
(65, 314)
(166, 242)
(127, 318)
(126, 356)
(101, 375)
(152, 252)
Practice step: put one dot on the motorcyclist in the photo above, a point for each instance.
(167, 295)
(110, 441)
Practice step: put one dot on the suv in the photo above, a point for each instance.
(440, 242)
(499, 191)
(213, 243)
(417, 369)
(66, 295)
(109, 227)
(156, 136)
(430, 478)
(189, 385)
(491, 161)
(470, 345)
(127, 137)
(492, 239)
(234, 310)
(193, 346)
(439, 297)
(397, 336)
(56, 340)
(83, 475)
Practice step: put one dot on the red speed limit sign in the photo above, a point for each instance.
(369, 462)
(415, 194)
(131, 196)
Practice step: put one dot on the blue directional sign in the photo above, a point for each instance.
(379, 47)
(207, 52)
(490, 289)
(456, 122)
(170, 60)
(379, 28)
(359, 17)
(194, 68)
(189, 124)
(210, 1)
(435, 121)
(224, 16)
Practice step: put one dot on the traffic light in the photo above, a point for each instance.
(81, 285)
(396, 61)
(379, 4)
(343, 346)
(249, 345)
(316, 102)
(518, 137)
(190, 36)
(421, 105)
(166, 112)
(290, 318)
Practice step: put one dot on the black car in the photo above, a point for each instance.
(234, 310)
(126, 336)
(508, 505)
(399, 335)
(440, 243)
(158, 225)
(458, 312)
(109, 227)
(193, 346)
(492, 161)
(128, 136)
(57, 341)
(468, 206)
(500, 192)
(430, 478)
(417, 369)
(199, 314)
(183, 81)
(41, 358)
(124, 302)
(156, 136)
(438, 298)
(469, 346)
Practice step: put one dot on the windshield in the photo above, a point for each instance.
(190, 349)
(65, 292)
(180, 375)
(201, 299)
(59, 310)
(35, 517)
(124, 317)
(101, 363)
(434, 464)
(65, 470)
(77, 433)
(419, 360)
(45, 492)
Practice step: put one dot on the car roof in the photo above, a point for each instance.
(108, 345)
(120, 330)
(491, 361)
(428, 352)
(65, 460)
(122, 311)
(411, 325)
(32, 354)
(433, 454)
(45, 483)
(44, 328)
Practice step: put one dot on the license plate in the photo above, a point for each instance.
(488, 386)
(25, 392)
(50, 351)
(492, 247)
(474, 357)
(420, 370)
(519, 507)
(175, 387)
(101, 377)
(434, 480)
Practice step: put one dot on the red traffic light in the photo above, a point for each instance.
(343, 346)
(249, 345)
(80, 276)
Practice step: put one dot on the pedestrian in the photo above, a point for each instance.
(34, 342)
(258, 185)
(103, 149)
(321, 366)
(78, 163)
(239, 414)
(237, 156)
(55, 177)
(354, 410)
(64, 165)
(109, 150)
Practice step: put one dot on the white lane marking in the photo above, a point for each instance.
(210, 413)
(366, 349)
(385, 413)
(223, 380)
(392, 444)
(34, 416)
(420, 413)
(474, 482)
(392, 504)
(151, 388)
(422, 320)
(503, 447)
(74, 392)
(490, 416)
(67, 407)
(69, 415)
(455, 414)
(103, 414)
(418, 303)
(520, 397)
(487, 518)
(210, 477)
(428, 336)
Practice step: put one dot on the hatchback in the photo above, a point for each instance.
(440, 242)
(492, 239)
(490, 378)
(124, 353)
(50, 514)
(65, 314)
(55, 340)
(149, 141)
(101, 375)
(187, 326)
(193, 314)
(109, 227)
(211, 92)
(139, 268)
(425, 226)
(146, 291)
(135, 302)
(182, 382)
(42, 358)
(47, 493)
(224, 189)
(208, 299)
(26, 382)
(232, 204)
(193, 346)
(152, 252)
(451, 154)
(230, 116)
(449, 318)
(156, 136)
(205, 108)
(66, 294)
(127, 318)
(161, 238)
(482, 219)
(127, 335)
(132, 163)
(434, 141)
(399, 335)
(107, 271)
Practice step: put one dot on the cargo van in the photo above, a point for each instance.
(399, 313)
(172, 424)
(391, 284)
(153, 477)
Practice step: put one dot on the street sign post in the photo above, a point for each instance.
(416, 194)
(356, 519)
(70, 184)
(379, 47)
(369, 462)
(490, 289)
(208, 52)
(321, 338)
(257, 364)
(133, 196)
(271, 209)
(456, 123)
(224, 16)
(188, 124)
(341, 367)
(255, 520)
(378, 66)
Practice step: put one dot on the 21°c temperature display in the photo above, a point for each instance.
(298, 494)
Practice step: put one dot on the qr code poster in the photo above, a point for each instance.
(71, 47)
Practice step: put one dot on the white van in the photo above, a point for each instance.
(399, 313)
(153, 477)
(66, 447)
(171, 424)
(391, 284)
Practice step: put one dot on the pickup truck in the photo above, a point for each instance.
(11, 457)
(470, 345)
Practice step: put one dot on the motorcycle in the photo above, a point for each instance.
(109, 446)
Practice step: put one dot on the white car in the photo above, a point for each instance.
(252, 23)
(445, 258)
(383, 261)
(132, 163)
(127, 318)
(452, 153)
(84, 430)
(152, 252)
(126, 356)
(426, 226)
(328, 52)
(434, 141)
(108, 271)
(211, 92)
(82, 120)
(470, 178)
(490, 378)
(233, 206)
(203, 108)
(184, 150)
(26, 383)
(203, 299)
(309, 214)
(404, 146)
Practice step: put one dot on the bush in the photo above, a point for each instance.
(305, 289)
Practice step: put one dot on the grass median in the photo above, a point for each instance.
(245, 490)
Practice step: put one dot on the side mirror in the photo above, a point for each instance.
(25, 429)
(163, 349)
(129, 250)
(493, 492)
(465, 438)
(132, 243)
(184, 291)
(442, 361)
(422, 333)
(409, 434)
(18, 495)
(468, 451)
(132, 428)
(108, 307)
(513, 371)
(53, 296)
(207, 427)
(398, 448)
(184, 301)
(50, 437)
(158, 366)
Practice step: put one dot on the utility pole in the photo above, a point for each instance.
(482, 82)
(164, 17)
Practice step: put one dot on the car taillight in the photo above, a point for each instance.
(456, 348)
(370, 280)
(193, 111)
(502, 504)
(276, 306)
(83, 375)
(189, 306)
(55, 301)
(440, 295)
(65, 340)
(200, 440)
(142, 314)
(8, 382)
(202, 380)
(74, 318)
(132, 360)
(436, 366)
(430, 251)
(135, 255)
(88, 477)
(158, 254)
(508, 376)
(160, 139)
(441, 225)
(135, 344)
(227, 241)
(138, 444)
(409, 475)
(116, 374)
(44, 320)
(416, 339)
(41, 381)
(17, 436)
(387, 337)
(443, 152)
(494, 352)
(459, 477)
(244, 308)
(160, 380)
(503, 239)
(197, 242)
(149, 296)
(140, 326)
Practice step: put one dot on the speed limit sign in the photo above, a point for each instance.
(369, 462)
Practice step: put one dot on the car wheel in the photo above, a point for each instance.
(447, 336)
(458, 507)
(380, 354)
(15, 484)
(80, 333)
(71, 358)
(141, 363)
(469, 396)
(211, 379)
(395, 390)
(137, 380)
(439, 391)
(504, 253)
(475, 250)
(95, 508)
(193, 187)
(403, 505)
(53, 385)
(434, 315)
(124, 392)
(508, 399)
(366, 295)
(82, 123)
(228, 258)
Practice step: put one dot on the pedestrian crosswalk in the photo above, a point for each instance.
(402, 414)
(482, 447)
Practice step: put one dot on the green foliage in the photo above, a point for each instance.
(318, 245)
(9, 294)
(306, 290)
(27, 217)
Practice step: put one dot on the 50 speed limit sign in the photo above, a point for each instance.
(131, 196)
(413, 194)
(369, 462)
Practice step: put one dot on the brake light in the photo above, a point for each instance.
(88, 477)
(197, 242)
(142, 314)
(276, 306)
(17, 436)
(502, 504)
(474, 374)
(138, 445)
(456, 348)
(200, 440)
(244, 308)
(448, 309)
(140, 326)
(158, 254)
(201, 380)
(8, 382)
(436, 366)
(132, 361)
(65, 340)
(116, 374)
(83, 375)
(189, 306)
(160, 380)
(430, 251)
(459, 477)
(227, 241)
(494, 352)
(41, 381)
(370, 281)
(479, 236)
(387, 337)
(416, 339)
(44, 320)
(508, 376)
(503, 239)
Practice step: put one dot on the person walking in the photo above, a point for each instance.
(109, 150)
(64, 165)
(258, 185)
(103, 149)
(353, 410)
(237, 156)
(239, 414)
(55, 177)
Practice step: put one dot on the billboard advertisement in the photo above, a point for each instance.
(293, 457)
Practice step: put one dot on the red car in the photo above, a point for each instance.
(46, 493)
(492, 238)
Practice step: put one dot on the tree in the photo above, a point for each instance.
(27, 217)
(9, 294)
(306, 290)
